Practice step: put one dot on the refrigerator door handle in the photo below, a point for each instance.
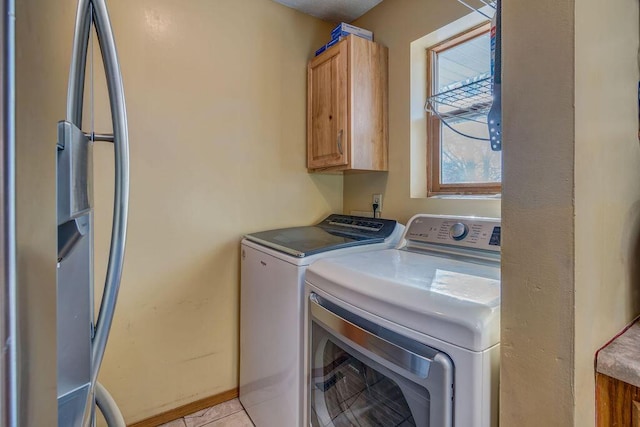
(94, 12)
(121, 189)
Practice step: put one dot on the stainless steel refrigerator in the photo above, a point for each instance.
(53, 341)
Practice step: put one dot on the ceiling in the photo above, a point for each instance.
(332, 10)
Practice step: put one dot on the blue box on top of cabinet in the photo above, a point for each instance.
(344, 29)
(327, 46)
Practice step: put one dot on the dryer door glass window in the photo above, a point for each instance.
(348, 391)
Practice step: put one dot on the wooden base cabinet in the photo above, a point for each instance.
(617, 403)
(347, 113)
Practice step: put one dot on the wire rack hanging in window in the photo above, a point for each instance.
(467, 100)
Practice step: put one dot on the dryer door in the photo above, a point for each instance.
(363, 374)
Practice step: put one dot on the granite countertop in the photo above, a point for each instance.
(621, 358)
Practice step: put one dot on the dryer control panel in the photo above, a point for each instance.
(459, 231)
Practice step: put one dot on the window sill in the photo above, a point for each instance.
(467, 196)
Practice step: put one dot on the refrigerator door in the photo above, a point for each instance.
(27, 251)
(8, 360)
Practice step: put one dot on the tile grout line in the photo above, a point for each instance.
(227, 416)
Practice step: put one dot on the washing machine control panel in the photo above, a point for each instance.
(469, 232)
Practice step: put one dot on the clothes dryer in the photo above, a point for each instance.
(408, 336)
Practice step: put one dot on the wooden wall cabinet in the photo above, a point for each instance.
(347, 113)
(618, 403)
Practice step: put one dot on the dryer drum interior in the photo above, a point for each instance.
(364, 374)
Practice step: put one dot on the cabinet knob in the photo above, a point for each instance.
(339, 141)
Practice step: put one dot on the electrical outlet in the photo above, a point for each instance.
(377, 199)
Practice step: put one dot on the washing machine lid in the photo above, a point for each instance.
(334, 232)
(451, 298)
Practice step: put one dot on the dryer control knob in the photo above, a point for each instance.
(458, 231)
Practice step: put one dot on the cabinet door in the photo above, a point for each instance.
(617, 403)
(327, 133)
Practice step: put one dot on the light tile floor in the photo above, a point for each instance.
(226, 414)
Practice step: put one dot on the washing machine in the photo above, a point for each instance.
(407, 336)
(273, 264)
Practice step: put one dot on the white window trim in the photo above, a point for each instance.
(418, 96)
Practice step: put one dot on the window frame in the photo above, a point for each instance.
(434, 186)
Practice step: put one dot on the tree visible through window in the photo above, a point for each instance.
(459, 69)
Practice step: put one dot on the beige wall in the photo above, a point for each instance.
(216, 93)
(537, 339)
(40, 104)
(397, 23)
(607, 183)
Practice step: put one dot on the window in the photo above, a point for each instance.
(458, 164)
